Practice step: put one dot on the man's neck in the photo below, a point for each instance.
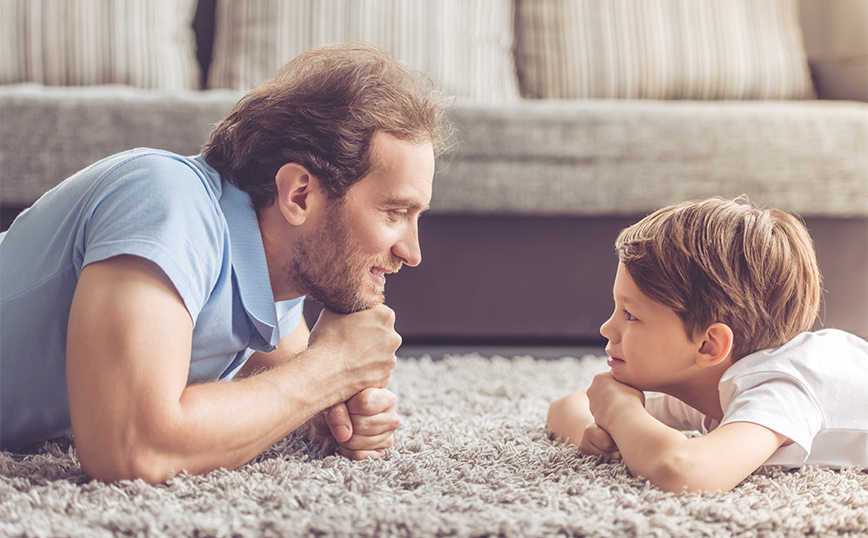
(277, 236)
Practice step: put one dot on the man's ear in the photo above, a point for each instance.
(295, 185)
(716, 346)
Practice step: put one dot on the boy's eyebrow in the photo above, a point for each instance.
(623, 299)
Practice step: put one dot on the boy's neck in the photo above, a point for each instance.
(702, 392)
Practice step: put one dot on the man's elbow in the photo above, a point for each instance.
(124, 462)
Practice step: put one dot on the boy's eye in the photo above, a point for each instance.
(630, 317)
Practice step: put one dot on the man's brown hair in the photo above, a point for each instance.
(731, 262)
(321, 110)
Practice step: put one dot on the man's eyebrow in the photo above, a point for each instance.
(409, 203)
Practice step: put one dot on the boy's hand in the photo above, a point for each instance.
(608, 396)
(363, 427)
(596, 441)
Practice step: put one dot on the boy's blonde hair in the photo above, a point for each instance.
(731, 262)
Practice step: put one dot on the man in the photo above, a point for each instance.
(137, 284)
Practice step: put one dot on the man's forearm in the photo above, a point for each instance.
(226, 424)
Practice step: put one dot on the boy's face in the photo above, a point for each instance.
(648, 346)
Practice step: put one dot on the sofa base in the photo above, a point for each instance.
(548, 280)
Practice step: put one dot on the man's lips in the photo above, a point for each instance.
(379, 275)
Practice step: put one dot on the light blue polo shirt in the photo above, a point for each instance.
(175, 211)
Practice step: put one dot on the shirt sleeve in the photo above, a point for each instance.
(289, 315)
(158, 207)
(778, 402)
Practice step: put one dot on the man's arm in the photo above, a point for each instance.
(363, 427)
(128, 357)
(668, 459)
(290, 346)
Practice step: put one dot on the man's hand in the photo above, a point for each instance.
(364, 343)
(363, 427)
(607, 396)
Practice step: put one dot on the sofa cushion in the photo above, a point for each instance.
(50, 132)
(465, 45)
(666, 49)
(144, 43)
(526, 157)
(628, 157)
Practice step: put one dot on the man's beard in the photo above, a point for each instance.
(328, 267)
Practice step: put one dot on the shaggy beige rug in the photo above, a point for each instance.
(472, 459)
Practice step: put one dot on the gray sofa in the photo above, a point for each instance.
(517, 247)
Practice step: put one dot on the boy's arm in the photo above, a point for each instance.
(570, 420)
(669, 460)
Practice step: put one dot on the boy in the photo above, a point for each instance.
(713, 299)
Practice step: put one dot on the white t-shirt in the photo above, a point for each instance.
(813, 389)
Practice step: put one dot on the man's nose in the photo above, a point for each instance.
(408, 248)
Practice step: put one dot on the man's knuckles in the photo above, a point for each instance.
(372, 401)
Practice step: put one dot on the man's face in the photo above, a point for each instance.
(343, 262)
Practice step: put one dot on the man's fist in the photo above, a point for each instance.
(363, 427)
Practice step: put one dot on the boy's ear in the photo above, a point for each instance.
(716, 346)
(295, 192)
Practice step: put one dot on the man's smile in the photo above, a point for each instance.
(378, 274)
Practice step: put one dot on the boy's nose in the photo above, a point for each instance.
(607, 330)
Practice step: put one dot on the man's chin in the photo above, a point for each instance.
(349, 307)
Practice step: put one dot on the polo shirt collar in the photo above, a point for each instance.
(249, 264)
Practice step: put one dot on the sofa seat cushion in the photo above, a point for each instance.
(529, 157)
(622, 157)
(48, 133)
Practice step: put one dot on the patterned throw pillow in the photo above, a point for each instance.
(466, 46)
(144, 43)
(661, 49)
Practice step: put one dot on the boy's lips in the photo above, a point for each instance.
(613, 360)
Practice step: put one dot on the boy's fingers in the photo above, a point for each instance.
(601, 439)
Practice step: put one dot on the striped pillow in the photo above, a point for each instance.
(465, 45)
(661, 49)
(144, 43)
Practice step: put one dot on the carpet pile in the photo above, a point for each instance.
(472, 458)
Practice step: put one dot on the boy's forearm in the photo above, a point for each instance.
(568, 417)
(651, 449)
